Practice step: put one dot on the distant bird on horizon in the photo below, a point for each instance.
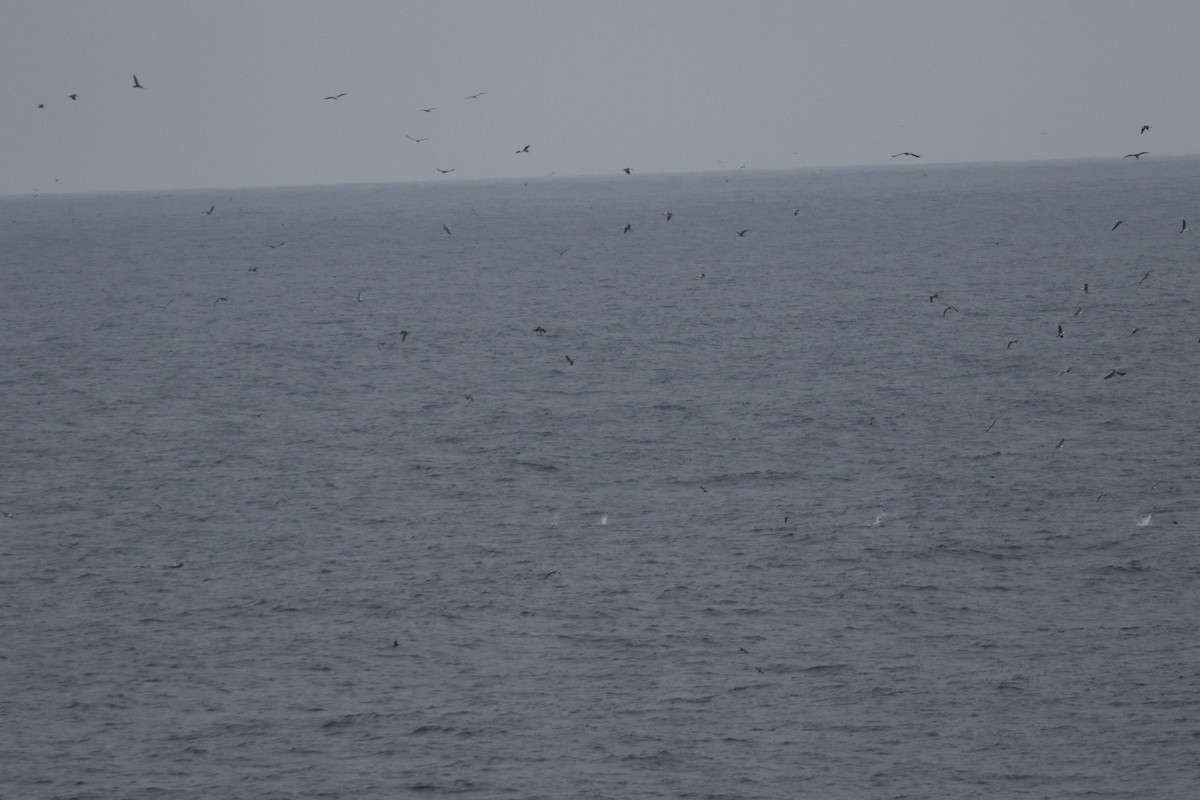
(948, 309)
(1011, 342)
(1183, 227)
(218, 300)
(1060, 443)
(1137, 155)
(334, 96)
(418, 141)
(627, 171)
(431, 108)
(137, 85)
(1116, 225)
(1085, 291)
(474, 96)
(668, 215)
(570, 360)
(273, 246)
(447, 230)
(934, 296)
(796, 213)
(1144, 129)
(627, 228)
(444, 171)
(906, 153)
(524, 149)
(1115, 372)
(41, 105)
(1060, 332)
(1147, 275)
(73, 96)
(742, 232)
(211, 209)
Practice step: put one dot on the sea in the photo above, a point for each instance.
(562, 488)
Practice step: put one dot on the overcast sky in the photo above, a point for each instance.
(234, 88)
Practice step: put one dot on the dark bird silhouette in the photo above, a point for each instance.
(431, 108)
(668, 215)
(475, 96)
(989, 427)
(1144, 129)
(418, 141)
(627, 228)
(172, 300)
(1060, 332)
(444, 171)
(539, 329)
(211, 209)
(218, 300)
(1085, 291)
(934, 296)
(627, 171)
(1060, 443)
(1134, 331)
(524, 149)
(273, 246)
(1065, 371)
(253, 269)
(570, 360)
(73, 96)
(403, 335)
(1183, 227)
(1147, 275)
(41, 105)
(1116, 225)
(1011, 342)
(1116, 373)
(1137, 155)
(548, 574)
(906, 153)
(742, 232)
(137, 85)
(447, 230)
(469, 397)
(948, 309)
(562, 252)
(334, 96)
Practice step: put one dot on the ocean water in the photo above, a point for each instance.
(299, 504)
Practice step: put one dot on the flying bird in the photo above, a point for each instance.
(627, 171)
(211, 209)
(1147, 275)
(273, 246)
(474, 96)
(1137, 155)
(742, 232)
(418, 141)
(431, 108)
(948, 309)
(1115, 372)
(334, 96)
(137, 85)
(934, 296)
(447, 230)
(627, 228)
(73, 96)
(906, 153)
(1116, 225)
(1060, 332)
(1060, 443)
(444, 171)
(570, 360)
(668, 215)
(539, 329)
(218, 300)
(1144, 129)
(1011, 342)
(524, 149)
(1183, 227)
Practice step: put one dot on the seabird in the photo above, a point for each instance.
(934, 296)
(474, 96)
(627, 228)
(570, 360)
(1144, 129)
(418, 141)
(1137, 155)
(562, 252)
(1085, 291)
(668, 215)
(73, 96)
(1065, 371)
(444, 171)
(524, 149)
(1060, 443)
(137, 85)
(253, 269)
(211, 209)
(1116, 225)
(469, 397)
(1134, 331)
(41, 105)
(219, 299)
(627, 171)
(360, 297)
(1011, 342)
(548, 574)
(742, 232)
(948, 309)
(334, 96)
(403, 335)
(273, 246)
(906, 153)
(1060, 332)
(989, 427)
(1147, 275)
(796, 213)
(1115, 372)
(447, 230)
(539, 329)
(1183, 227)
(431, 108)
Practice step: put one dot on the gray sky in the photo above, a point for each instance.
(234, 88)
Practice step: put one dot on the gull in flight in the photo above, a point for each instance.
(447, 230)
(334, 96)
(906, 153)
(474, 96)
(524, 149)
(1183, 227)
(1144, 129)
(418, 141)
(1116, 225)
(137, 85)
(444, 171)
(1137, 155)
(742, 232)
(431, 108)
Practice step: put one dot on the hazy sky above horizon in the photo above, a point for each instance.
(234, 88)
